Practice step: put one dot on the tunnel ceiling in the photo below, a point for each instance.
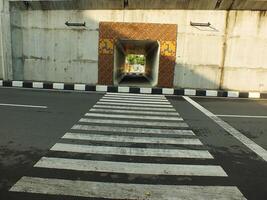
(137, 46)
(140, 4)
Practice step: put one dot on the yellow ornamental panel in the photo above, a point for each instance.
(106, 46)
(168, 48)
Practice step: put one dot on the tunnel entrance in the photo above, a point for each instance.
(156, 42)
(136, 62)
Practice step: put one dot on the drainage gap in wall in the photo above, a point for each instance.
(136, 62)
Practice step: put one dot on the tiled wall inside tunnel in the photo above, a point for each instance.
(110, 32)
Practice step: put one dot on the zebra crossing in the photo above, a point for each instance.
(131, 134)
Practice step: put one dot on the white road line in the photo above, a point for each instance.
(134, 117)
(21, 105)
(131, 168)
(131, 139)
(134, 123)
(135, 101)
(133, 104)
(133, 108)
(243, 116)
(133, 130)
(124, 190)
(135, 112)
(137, 95)
(128, 151)
(134, 98)
(261, 152)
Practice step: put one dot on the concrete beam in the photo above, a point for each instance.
(141, 4)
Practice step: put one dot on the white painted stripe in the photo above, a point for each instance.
(124, 190)
(211, 93)
(21, 105)
(132, 130)
(133, 104)
(131, 168)
(146, 90)
(135, 98)
(79, 87)
(37, 84)
(162, 118)
(123, 95)
(128, 151)
(135, 112)
(101, 88)
(59, 86)
(255, 95)
(17, 83)
(123, 89)
(190, 92)
(133, 108)
(1, 82)
(132, 139)
(243, 116)
(134, 123)
(261, 152)
(233, 94)
(135, 101)
(167, 91)
(139, 95)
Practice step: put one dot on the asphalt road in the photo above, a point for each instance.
(245, 169)
(27, 134)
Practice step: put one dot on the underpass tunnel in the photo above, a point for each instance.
(136, 62)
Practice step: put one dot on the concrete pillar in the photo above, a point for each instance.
(5, 42)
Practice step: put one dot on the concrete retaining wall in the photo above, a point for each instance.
(245, 64)
(230, 55)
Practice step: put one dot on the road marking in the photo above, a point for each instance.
(124, 191)
(137, 95)
(168, 91)
(101, 88)
(146, 90)
(128, 151)
(134, 117)
(135, 112)
(133, 108)
(80, 87)
(135, 98)
(124, 89)
(161, 98)
(190, 92)
(37, 84)
(133, 130)
(131, 168)
(133, 104)
(261, 152)
(21, 105)
(17, 83)
(131, 139)
(134, 123)
(59, 86)
(243, 116)
(135, 101)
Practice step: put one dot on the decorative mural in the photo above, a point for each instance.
(109, 32)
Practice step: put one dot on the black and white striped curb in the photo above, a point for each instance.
(137, 90)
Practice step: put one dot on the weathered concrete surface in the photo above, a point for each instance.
(52, 51)
(5, 42)
(227, 55)
(246, 50)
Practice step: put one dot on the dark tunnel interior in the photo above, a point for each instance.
(149, 75)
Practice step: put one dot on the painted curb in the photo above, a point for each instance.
(137, 90)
